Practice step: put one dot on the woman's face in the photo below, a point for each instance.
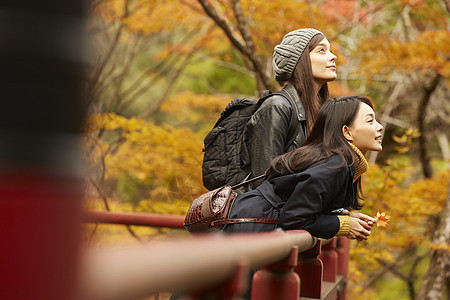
(323, 63)
(365, 131)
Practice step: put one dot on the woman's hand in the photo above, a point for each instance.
(369, 220)
(359, 229)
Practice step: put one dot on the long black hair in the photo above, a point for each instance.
(325, 139)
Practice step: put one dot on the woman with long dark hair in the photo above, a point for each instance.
(315, 186)
(303, 64)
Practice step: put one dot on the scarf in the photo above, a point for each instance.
(361, 165)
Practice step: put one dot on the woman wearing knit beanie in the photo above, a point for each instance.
(303, 64)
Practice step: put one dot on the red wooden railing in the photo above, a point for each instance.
(292, 264)
(141, 219)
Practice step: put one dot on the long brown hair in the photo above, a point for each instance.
(326, 139)
(303, 81)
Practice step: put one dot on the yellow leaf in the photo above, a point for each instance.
(400, 139)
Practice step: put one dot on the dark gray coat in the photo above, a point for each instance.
(303, 200)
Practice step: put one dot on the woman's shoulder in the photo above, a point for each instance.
(276, 100)
(285, 100)
(334, 166)
(335, 162)
(275, 106)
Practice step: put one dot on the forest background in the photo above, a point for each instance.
(162, 71)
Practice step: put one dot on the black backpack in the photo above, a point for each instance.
(221, 161)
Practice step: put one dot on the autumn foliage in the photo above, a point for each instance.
(411, 208)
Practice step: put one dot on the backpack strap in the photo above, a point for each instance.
(266, 93)
(288, 94)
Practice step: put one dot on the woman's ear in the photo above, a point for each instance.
(347, 133)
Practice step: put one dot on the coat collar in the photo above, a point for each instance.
(301, 114)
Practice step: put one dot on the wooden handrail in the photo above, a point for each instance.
(185, 264)
(139, 219)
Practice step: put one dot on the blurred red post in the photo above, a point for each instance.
(343, 251)
(232, 288)
(329, 258)
(310, 270)
(40, 136)
(40, 231)
(278, 281)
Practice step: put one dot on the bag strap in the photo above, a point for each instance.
(244, 220)
(234, 187)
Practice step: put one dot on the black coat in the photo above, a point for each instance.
(303, 200)
(268, 132)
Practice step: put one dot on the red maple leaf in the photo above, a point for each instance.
(382, 219)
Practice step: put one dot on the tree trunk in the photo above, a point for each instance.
(447, 5)
(445, 149)
(435, 281)
(423, 139)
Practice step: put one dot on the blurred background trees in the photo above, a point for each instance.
(162, 71)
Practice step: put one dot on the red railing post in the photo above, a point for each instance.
(231, 289)
(329, 258)
(43, 83)
(310, 270)
(40, 233)
(343, 251)
(277, 281)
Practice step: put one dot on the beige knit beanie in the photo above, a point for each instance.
(288, 52)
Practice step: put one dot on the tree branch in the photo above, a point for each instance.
(101, 66)
(244, 29)
(244, 48)
(100, 193)
(210, 11)
(407, 259)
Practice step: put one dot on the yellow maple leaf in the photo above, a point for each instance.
(382, 219)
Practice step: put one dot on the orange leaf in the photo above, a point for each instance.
(382, 219)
